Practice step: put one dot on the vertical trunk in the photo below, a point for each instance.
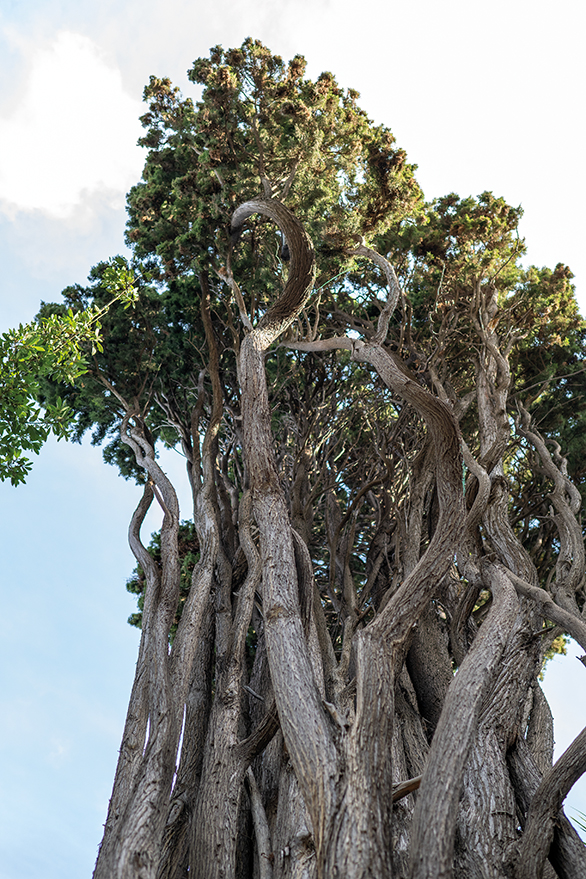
(175, 848)
(135, 727)
(135, 849)
(304, 722)
(436, 812)
(215, 830)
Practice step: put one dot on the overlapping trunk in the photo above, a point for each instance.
(324, 732)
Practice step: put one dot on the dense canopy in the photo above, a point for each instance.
(381, 414)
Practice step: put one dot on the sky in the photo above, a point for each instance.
(481, 96)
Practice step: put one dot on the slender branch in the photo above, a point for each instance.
(549, 610)
(246, 594)
(287, 183)
(141, 554)
(261, 827)
(257, 741)
(406, 787)
(322, 344)
(394, 290)
(225, 274)
(112, 389)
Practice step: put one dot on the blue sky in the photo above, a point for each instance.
(479, 99)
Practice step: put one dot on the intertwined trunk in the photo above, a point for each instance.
(320, 730)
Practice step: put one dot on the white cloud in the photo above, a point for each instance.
(73, 133)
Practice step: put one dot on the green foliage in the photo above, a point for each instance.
(149, 353)
(460, 242)
(259, 120)
(558, 647)
(549, 359)
(53, 347)
(262, 127)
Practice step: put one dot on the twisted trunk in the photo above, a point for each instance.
(385, 764)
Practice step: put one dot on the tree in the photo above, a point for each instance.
(51, 347)
(372, 396)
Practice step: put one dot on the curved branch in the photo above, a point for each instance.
(301, 270)
(141, 554)
(393, 294)
(549, 610)
(566, 499)
(474, 516)
(567, 854)
(145, 457)
(331, 344)
(545, 806)
(404, 607)
(556, 473)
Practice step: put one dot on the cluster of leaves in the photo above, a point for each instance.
(558, 647)
(53, 347)
(261, 123)
(150, 354)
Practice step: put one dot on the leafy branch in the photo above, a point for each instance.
(49, 347)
